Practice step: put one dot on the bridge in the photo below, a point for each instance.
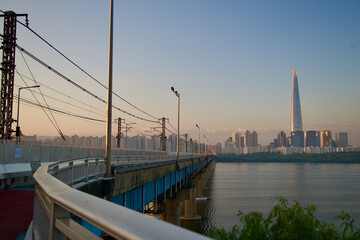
(74, 200)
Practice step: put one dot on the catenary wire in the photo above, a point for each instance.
(78, 86)
(81, 69)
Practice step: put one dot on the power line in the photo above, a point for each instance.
(81, 69)
(67, 96)
(64, 102)
(78, 86)
(57, 125)
(41, 106)
(28, 101)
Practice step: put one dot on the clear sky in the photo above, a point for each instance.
(231, 61)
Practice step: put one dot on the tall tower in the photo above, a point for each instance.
(295, 115)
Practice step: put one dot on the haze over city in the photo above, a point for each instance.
(231, 61)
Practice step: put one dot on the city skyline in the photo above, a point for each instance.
(230, 61)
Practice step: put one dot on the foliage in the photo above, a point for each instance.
(342, 157)
(288, 222)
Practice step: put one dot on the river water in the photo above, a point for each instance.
(257, 186)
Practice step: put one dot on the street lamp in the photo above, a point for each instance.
(199, 138)
(178, 127)
(17, 118)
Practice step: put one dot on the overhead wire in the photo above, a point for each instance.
(67, 96)
(40, 104)
(28, 101)
(79, 86)
(38, 107)
(32, 75)
(81, 69)
(73, 105)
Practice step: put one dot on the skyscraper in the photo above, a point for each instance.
(312, 139)
(326, 140)
(247, 139)
(254, 139)
(236, 138)
(341, 139)
(295, 115)
(281, 139)
(296, 128)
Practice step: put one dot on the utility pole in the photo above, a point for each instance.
(109, 97)
(119, 133)
(162, 136)
(8, 72)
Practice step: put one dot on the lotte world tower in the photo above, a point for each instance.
(296, 128)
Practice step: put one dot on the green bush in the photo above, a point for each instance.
(288, 222)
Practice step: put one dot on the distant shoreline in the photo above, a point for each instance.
(346, 157)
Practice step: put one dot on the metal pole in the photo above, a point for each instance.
(178, 128)
(178, 133)
(199, 138)
(109, 102)
(18, 115)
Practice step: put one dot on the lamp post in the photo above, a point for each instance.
(17, 118)
(199, 138)
(109, 97)
(178, 127)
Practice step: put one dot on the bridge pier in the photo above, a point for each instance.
(190, 207)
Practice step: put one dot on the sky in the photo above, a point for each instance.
(231, 61)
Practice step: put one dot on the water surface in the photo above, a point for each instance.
(256, 187)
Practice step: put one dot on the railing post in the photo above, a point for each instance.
(56, 212)
(98, 168)
(56, 168)
(71, 164)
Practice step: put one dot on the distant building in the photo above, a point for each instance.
(281, 139)
(247, 139)
(242, 143)
(341, 139)
(296, 127)
(297, 139)
(325, 139)
(218, 148)
(254, 139)
(295, 115)
(312, 139)
(236, 138)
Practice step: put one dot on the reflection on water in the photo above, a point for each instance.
(256, 186)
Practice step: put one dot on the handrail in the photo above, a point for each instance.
(55, 202)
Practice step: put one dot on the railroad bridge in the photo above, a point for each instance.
(73, 199)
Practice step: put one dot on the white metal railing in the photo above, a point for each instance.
(55, 202)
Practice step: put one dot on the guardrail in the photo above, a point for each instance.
(56, 203)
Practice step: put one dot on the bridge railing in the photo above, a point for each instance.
(56, 203)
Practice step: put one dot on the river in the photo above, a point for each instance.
(257, 186)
